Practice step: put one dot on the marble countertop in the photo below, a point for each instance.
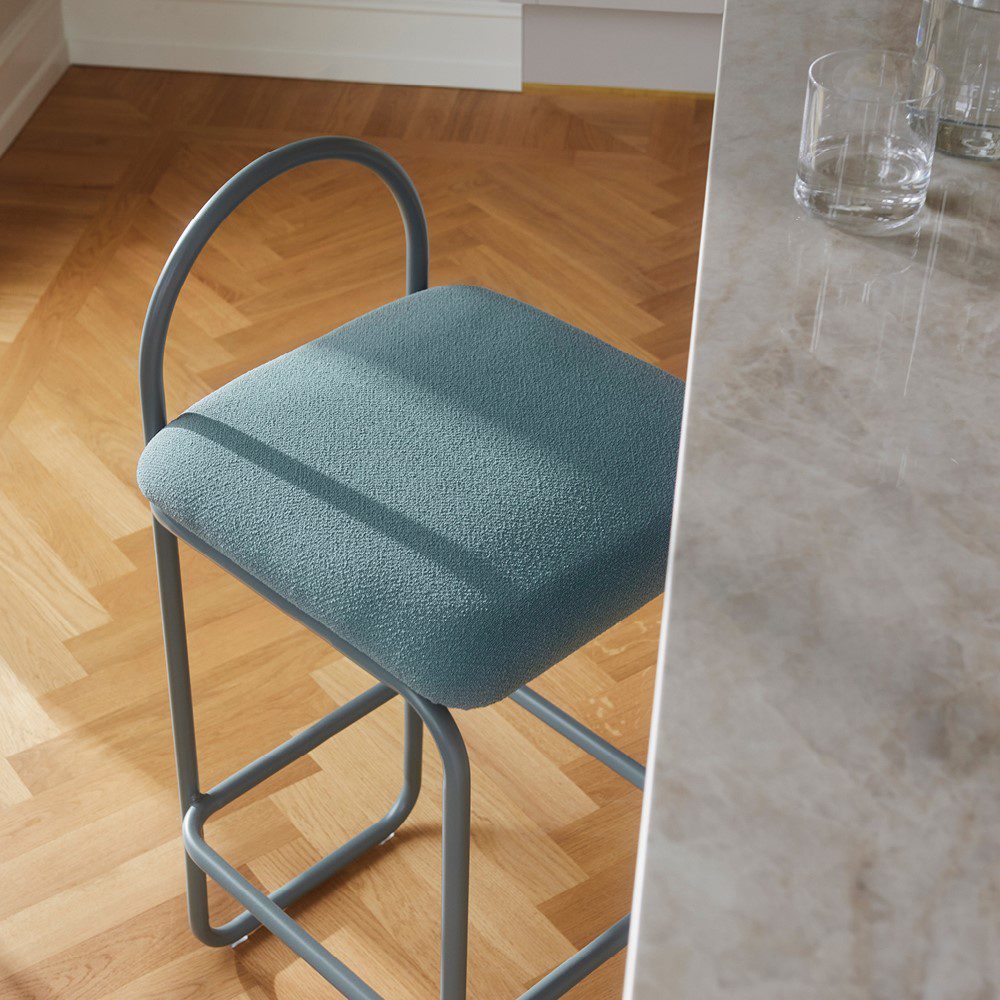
(822, 819)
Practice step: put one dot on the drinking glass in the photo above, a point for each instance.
(963, 38)
(868, 138)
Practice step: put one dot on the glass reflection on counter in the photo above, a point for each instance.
(886, 345)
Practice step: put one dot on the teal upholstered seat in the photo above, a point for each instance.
(462, 487)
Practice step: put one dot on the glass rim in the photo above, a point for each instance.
(909, 57)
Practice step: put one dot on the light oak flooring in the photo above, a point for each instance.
(584, 204)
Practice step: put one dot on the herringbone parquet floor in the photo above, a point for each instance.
(584, 204)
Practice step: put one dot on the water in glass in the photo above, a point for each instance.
(875, 181)
(963, 38)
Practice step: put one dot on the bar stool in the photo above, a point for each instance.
(455, 491)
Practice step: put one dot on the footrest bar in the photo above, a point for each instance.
(298, 746)
(575, 969)
(576, 732)
(320, 872)
(378, 833)
(267, 912)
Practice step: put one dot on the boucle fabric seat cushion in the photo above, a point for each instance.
(464, 488)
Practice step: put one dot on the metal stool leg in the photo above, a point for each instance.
(577, 967)
(456, 837)
(181, 716)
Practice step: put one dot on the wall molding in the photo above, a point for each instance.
(657, 6)
(33, 55)
(469, 8)
(452, 43)
(645, 44)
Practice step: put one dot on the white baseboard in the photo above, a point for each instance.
(655, 49)
(32, 58)
(661, 6)
(452, 43)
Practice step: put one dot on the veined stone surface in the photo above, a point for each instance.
(823, 808)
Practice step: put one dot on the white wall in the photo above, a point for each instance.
(32, 57)
(660, 44)
(650, 44)
(457, 43)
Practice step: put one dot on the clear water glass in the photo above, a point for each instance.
(868, 134)
(963, 38)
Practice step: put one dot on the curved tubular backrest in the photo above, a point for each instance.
(222, 203)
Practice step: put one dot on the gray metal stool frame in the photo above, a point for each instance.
(197, 806)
